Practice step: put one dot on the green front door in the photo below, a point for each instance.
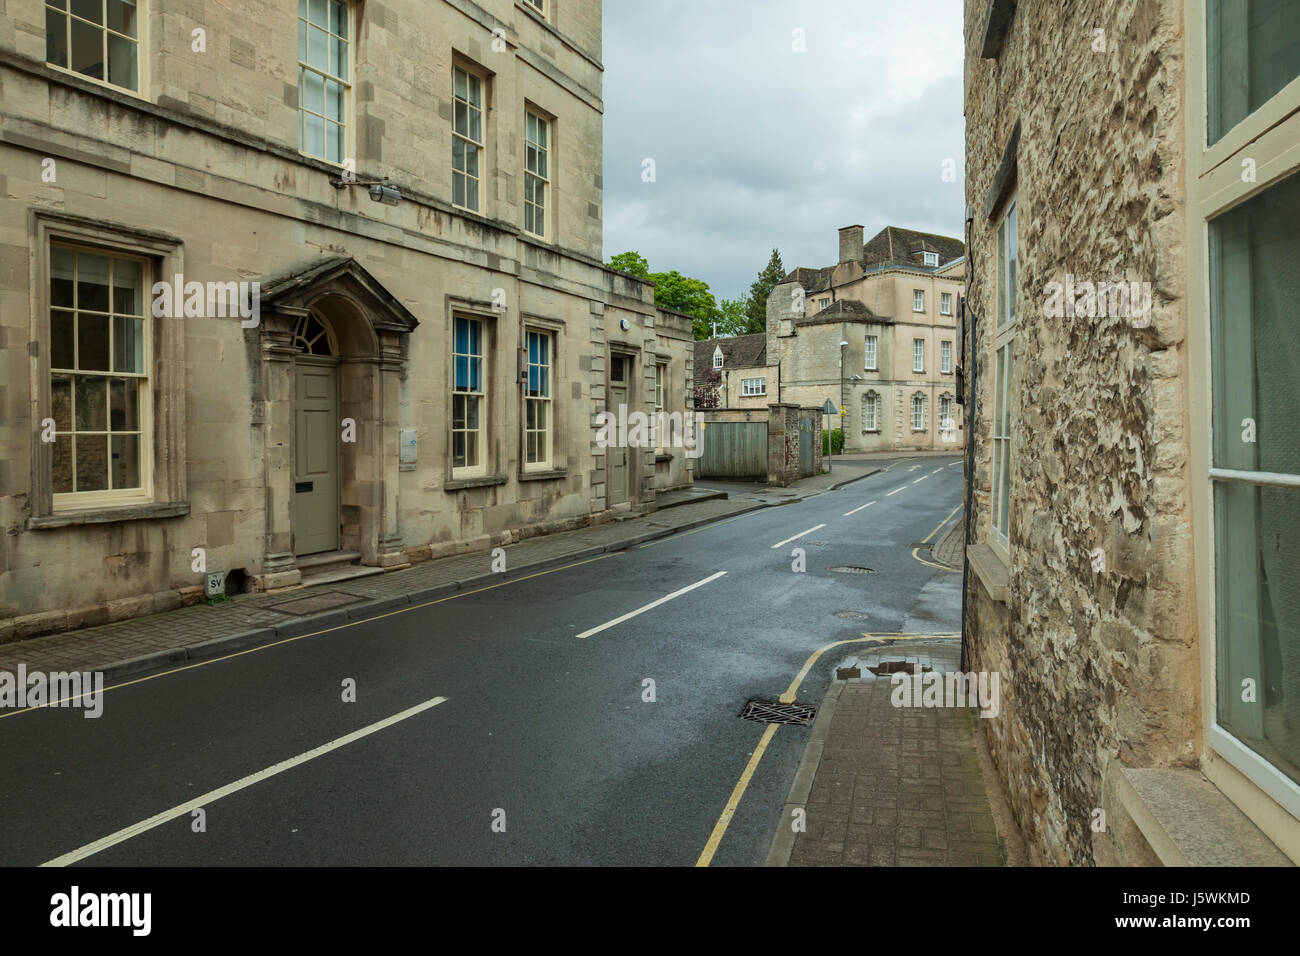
(317, 430)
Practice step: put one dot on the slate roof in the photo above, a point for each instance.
(895, 245)
(842, 310)
(890, 246)
(740, 351)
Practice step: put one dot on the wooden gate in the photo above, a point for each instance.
(734, 450)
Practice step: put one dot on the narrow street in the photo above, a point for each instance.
(543, 727)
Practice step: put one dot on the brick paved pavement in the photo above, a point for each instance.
(890, 786)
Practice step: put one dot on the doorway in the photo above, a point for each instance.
(617, 455)
(316, 434)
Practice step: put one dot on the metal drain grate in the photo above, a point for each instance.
(774, 712)
(851, 569)
(852, 616)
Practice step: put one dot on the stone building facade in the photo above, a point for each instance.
(305, 285)
(893, 302)
(1130, 357)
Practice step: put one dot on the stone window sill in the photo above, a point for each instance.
(483, 481)
(1189, 822)
(549, 475)
(109, 515)
(661, 459)
(990, 570)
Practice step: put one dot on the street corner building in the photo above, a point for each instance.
(875, 334)
(1132, 379)
(305, 288)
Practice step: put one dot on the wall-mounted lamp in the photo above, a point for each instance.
(380, 190)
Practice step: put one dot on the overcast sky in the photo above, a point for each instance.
(757, 146)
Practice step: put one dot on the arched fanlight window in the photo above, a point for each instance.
(312, 336)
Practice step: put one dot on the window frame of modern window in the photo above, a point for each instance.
(1217, 184)
(1005, 325)
(945, 303)
(141, 41)
(163, 424)
(747, 392)
(346, 122)
(945, 357)
(545, 402)
(918, 300)
(542, 209)
(930, 259)
(823, 305)
(482, 396)
(871, 357)
(483, 107)
(918, 355)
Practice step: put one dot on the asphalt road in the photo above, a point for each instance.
(542, 734)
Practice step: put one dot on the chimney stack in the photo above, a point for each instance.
(850, 244)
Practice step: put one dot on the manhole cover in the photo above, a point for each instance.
(851, 569)
(852, 615)
(774, 712)
(894, 667)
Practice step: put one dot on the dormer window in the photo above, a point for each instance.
(717, 357)
(931, 258)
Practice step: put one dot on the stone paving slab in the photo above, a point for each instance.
(890, 786)
(949, 550)
(203, 630)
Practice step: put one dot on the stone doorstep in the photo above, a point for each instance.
(1188, 821)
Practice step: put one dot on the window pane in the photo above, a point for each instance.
(128, 344)
(471, 194)
(92, 282)
(334, 100)
(458, 188)
(124, 416)
(92, 343)
(334, 142)
(462, 373)
(1258, 588)
(92, 10)
(459, 82)
(56, 38)
(1255, 295)
(314, 134)
(313, 91)
(126, 461)
(1254, 51)
(339, 18)
(87, 50)
(318, 13)
(302, 41)
(127, 287)
(318, 48)
(61, 397)
(121, 62)
(339, 58)
(92, 462)
(92, 403)
(61, 472)
(61, 340)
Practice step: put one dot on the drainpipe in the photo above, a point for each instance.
(969, 330)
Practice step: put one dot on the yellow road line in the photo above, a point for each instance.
(720, 828)
(328, 630)
(931, 564)
(729, 811)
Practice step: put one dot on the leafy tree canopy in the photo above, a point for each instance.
(768, 278)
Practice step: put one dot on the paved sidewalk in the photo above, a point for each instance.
(204, 631)
(890, 786)
(950, 549)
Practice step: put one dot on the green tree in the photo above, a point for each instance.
(733, 319)
(675, 291)
(767, 280)
(632, 262)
